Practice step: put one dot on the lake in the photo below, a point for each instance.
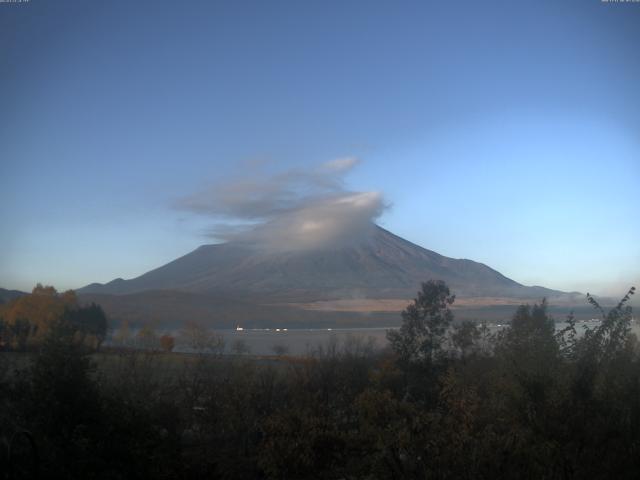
(301, 341)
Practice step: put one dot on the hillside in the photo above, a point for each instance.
(381, 266)
(8, 295)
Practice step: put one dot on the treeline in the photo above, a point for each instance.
(195, 336)
(527, 402)
(26, 321)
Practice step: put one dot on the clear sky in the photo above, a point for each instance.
(504, 132)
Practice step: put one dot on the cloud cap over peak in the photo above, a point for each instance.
(293, 210)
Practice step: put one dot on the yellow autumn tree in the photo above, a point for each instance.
(40, 309)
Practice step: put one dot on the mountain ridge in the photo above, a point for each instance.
(6, 295)
(383, 265)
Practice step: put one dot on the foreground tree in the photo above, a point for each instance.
(465, 338)
(419, 343)
(530, 337)
(424, 324)
(40, 310)
(89, 324)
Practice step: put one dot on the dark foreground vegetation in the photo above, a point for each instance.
(441, 402)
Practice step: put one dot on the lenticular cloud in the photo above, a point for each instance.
(289, 211)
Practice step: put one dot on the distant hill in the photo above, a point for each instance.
(381, 266)
(8, 295)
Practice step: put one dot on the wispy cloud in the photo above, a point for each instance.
(291, 210)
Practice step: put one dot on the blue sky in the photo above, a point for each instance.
(504, 132)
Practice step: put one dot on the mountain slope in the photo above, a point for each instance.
(381, 266)
(8, 295)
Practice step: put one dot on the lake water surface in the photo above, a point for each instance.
(302, 341)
